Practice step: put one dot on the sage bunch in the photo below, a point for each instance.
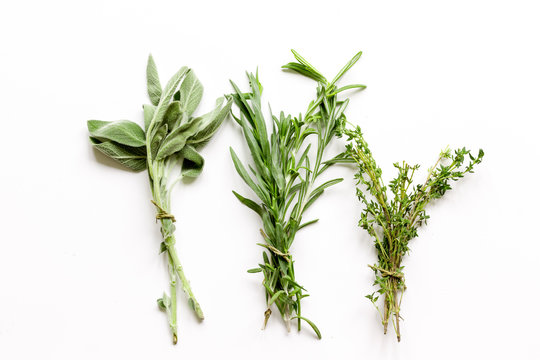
(284, 176)
(393, 214)
(168, 149)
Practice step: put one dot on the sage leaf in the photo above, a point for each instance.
(152, 81)
(211, 122)
(160, 148)
(148, 111)
(131, 157)
(173, 143)
(173, 114)
(164, 303)
(166, 96)
(157, 139)
(191, 92)
(193, 162)
(123, 132)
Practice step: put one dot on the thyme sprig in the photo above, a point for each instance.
(393, 220)
(171, 138)
(284, 176)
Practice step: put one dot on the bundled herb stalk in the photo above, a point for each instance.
(170, 139)
(394, 220)
(285, 175)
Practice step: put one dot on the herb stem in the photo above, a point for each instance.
(173, 319)
(185, 283)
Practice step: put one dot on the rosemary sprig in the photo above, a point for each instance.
(170, 138)
(285, 174)
(393, 221)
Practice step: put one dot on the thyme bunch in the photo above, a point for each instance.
(284, 176)
(393, 219)
(171, 138)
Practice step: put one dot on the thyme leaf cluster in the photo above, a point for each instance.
(392, 214)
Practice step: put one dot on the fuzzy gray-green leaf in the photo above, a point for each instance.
(193, 162)
(123, 132)
(152, 81)
(211, 122)
(157, 139)
(166, 96)
(173, 114)
(148, 111)
(131, 157)
(173, 143)
(191, 92)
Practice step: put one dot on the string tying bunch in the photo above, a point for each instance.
(162, 214)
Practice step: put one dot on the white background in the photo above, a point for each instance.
(79, 266)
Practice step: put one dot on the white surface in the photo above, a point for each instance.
(79, 270)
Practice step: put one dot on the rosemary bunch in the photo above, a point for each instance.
(284, 176)
(170, 138)
(394, 220)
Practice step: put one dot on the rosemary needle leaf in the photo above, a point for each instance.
(249, 203)
(313, 326)
(285, 176)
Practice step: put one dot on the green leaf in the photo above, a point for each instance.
(172, 84)
(173, 143)
(253, 271)
(275, 296)
(148, 111)
(173, 115)
(131, 157)
(162, 247)
(123, 132)
(325, 185)
(152, 81)
(346, 68)
(166, 96)
(245, 176)
(157, 139)
(348, 87)
(161, 304)
(211, 122)
(164, 303)
(304, 70)
(314, 196)
(193, 162)
(308, 223)
(191, 92)
(249, 203)
(313, 326)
